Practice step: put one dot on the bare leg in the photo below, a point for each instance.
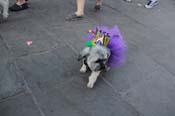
(98, 2)
(20, 2)
(80, 7)
(92, 79)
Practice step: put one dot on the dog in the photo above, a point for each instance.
(95, 59)
(105, 49)
(5, 6)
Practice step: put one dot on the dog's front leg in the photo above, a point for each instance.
(92, 78)
(83, 69)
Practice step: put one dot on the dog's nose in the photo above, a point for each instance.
(102, 67)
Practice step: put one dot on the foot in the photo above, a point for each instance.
(83, 69)
(151, 4)
(97, 7)
(73, 17)
(90, 85)
(17, 7)
(92, 79)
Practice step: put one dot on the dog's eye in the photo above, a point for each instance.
(97, 61)
(100, 60)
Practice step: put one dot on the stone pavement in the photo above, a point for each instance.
(44, 80)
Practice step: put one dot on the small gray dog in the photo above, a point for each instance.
(5, 6)
(105, 49)
(94, 58)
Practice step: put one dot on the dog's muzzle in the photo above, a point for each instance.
(101, 66)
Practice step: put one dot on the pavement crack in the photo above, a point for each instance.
(13, 96)
(125, 15)
(128, 105)
(5, 43)
(164, 67)
(30, 91)
(40, 52)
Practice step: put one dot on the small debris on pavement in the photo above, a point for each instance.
(139, 4)
(29, 43)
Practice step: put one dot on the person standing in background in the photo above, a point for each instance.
(80, 10)
(151, 3)
(19, 5)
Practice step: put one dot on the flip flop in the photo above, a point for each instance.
(73, 17)
(16, 7)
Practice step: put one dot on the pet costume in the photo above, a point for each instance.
(112, 39)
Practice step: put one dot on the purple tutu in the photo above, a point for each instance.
(116, 45)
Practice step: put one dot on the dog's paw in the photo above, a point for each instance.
(83, 70)
(90, 85)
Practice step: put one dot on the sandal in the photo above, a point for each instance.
(73, 17)
(16, 7)
(151, 4)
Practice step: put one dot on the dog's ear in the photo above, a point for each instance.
(84, 53)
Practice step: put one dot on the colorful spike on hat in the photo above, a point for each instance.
(99, 38)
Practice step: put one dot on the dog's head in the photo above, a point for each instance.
(95, 57)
